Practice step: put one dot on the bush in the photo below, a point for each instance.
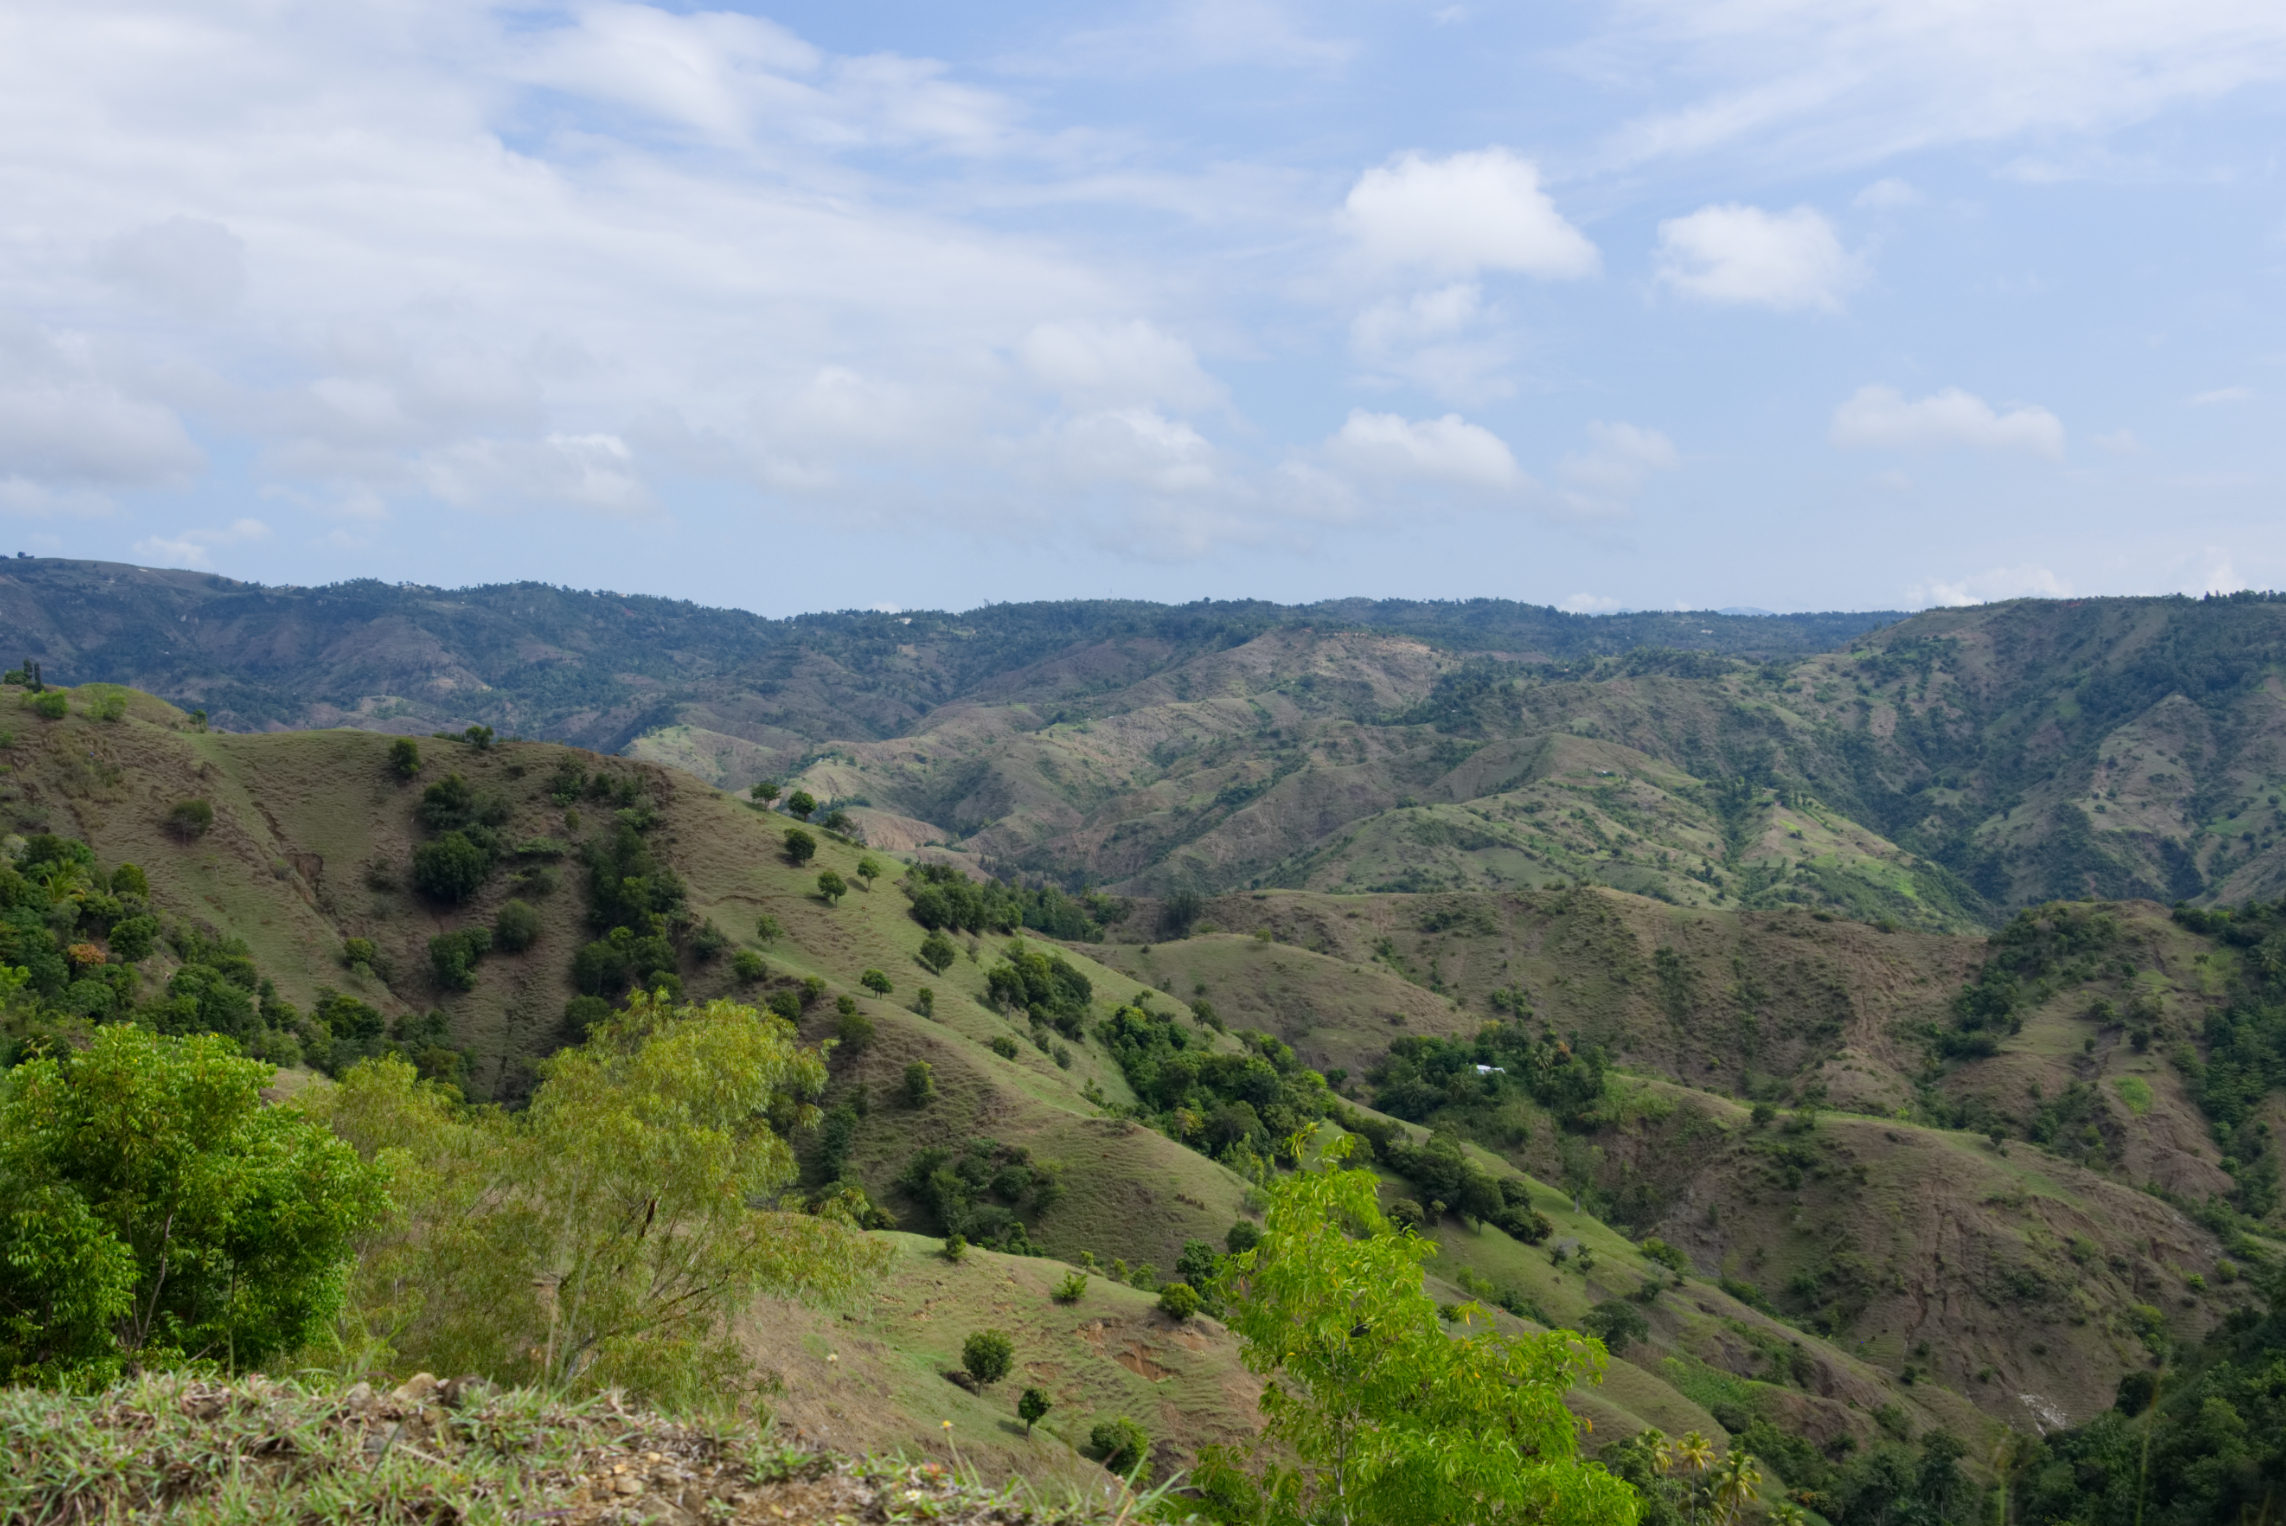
(450, 869)
(709, 943)
(1178, 1301)
(108, 705)
(54, 705)
(1031, 1408)
(748, 966)
(404, 757)
(582, 1013)
(767, 929)
(454, 956)
(925, 1002)
(956, 1247)
(1123, 1445)
(855, 1031)
(920, 1083)
(133, 938)
(801, 847)
(937, 953)
(1658, 1250)
(876, 982)
(1005, 1047)
(1241, 1238)
(987, 1355)
(516, 928)
(190, 819)
(1071, 1289)
(1616, 1323)
(832, 886)
(129, 880)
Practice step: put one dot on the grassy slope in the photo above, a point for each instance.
(301, 818)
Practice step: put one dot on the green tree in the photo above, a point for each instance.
(800, 803)
(516, 927)
(801, 847)
(1031, 1408)
(190, 819)
(51, 705)
(748, 966)
(1617, 1323)
(832, 886)
(1178, 1301)
(153, 1210)
(454, 955)
(868, 870)
(606, 1235)
(767, 929)
(1388, 1418)
(937, 953)
(450, 868)
(987, 1355)
(955, 1247)
(1124, 1446)
(404, 757)
(855, 1030)
(876, 982)
(763, 791)
(920, 1083)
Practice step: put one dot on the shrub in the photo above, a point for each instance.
(956, 1247)
(1071, 1289)
(987, 1355)
(1123, 1445)
(1616, 1323)
(937, 953)
(832, 886)
(1031, 1408)
(478, 737)
(1178, 1301)
(1241, 1238)
(129, 880)
(404, 757)
(451, 868)
(767, 929)
(107, 705)
(876, 982)
(855, 1031)
(1762, 1115)
(1658, 1250)
(1005, 1047)
(748, 966)
(925, 1002)
(190, 819)
(516, 928)
(920, 1083)
(813, 991)
(133, 938)
(454, 956)
(801, 847)
(709, 943)
(582, 1013)
(53, 705)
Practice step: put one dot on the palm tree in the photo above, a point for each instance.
(1786, 1513)
(1735, 1484)
(1694, 1452)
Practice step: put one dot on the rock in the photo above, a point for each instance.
(627, 1483)
(416, 1389)
(359, 1396)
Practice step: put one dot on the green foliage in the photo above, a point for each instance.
(606, 1235)
(1032, 1408)
(1241, 1237)
(832, 887)
(980, 1190)
(1178, 1300)
(1071, 1289)
(454, 955)
(1617, 1323)
(1385, 1417)
(868, 870)
(1217, 1102)
(767, 929)
(53, 705)
(801, 847)
(1004, 1046)
(153, 1210)
(451, 868)
(956, 1247)
(1661, 1253)
(748, 966)
(133, 938)
(516, 927)
(987, 1355)
(763, 791)
(920, 1083)
(937, 953)
(1441, 1172)
(1044, 987)
(876, 982)
(1423, 1078)
(855, 1030)
(1122, 1445)
(190, 819)
(801, 803)
(405, 757)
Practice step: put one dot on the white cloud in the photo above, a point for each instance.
(1744, 256)
(1448, 450)
(2116, 442)
(65, 423)
(594, 472)
(1467, 213)
(1445, 340)
(1133, 361)
(1888, 194)
(191, 548)
(1600, 482)
(2219, 395)
(2026, 582)
(1879, 418)
(1588, 604)
(191, 264)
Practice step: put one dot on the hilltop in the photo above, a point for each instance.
(1913, 1234)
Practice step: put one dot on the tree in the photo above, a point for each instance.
(987, 1355)
(404, 757)
(767, 929)
(1736, 1484)
(516, 927)
(153, 1210)
(869, 870)
(607, 1235)
(1178, 1301)
(832, 886)
(1123, 1445)
(1389, 1419)
(800, 803)
(855, 1030)
(450, 868)
(1241, 1237)
(190, 819)
(1030, 1408)
(1617, 1323)
(51, 705)
(937, 953)
(454, 956)
(801, 847)
(956, 1247)
(920, 1083)
(763, 790)
(876, 982)
(478, 737)
(748, 966)
(1179, 911)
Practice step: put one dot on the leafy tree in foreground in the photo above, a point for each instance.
(606, 1235)
(153, 1210)
(1391, 1420)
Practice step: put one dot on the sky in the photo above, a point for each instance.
(1788, 304)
